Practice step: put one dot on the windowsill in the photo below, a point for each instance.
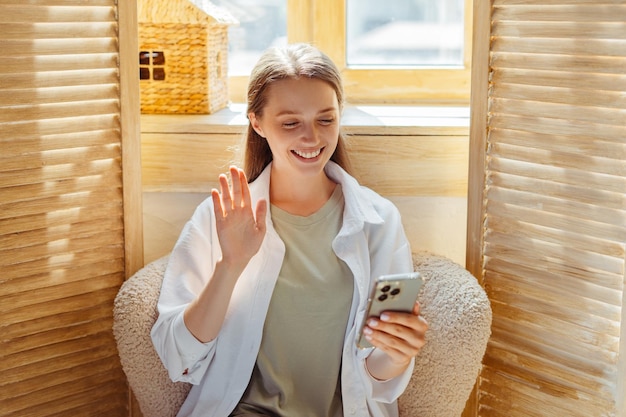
(357, 119)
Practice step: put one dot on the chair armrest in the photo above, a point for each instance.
(134, 314)
(459, 316)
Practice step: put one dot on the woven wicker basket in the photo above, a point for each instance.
(183, 55)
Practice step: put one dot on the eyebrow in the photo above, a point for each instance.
(290, 112)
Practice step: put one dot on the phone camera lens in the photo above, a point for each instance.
(382, 297)
(395, 291)
(386, 288)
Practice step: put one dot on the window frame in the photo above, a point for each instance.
(372, 86)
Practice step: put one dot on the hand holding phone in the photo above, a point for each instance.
(397, 292)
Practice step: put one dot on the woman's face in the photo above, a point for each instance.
(300, 122)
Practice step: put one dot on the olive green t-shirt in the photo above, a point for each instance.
(298, 368)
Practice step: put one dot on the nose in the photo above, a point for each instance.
(309, 133)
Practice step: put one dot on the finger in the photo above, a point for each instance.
(411, 331)
(417, 308)
(235, 186)
(245, 189)
(399, 350)
(227, 202)
(413, 320)
(217, 204)
(261, 213)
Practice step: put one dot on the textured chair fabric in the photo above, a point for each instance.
(454, 304)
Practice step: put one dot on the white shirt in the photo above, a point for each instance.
(371, 242)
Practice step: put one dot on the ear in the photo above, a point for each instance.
(254, 122)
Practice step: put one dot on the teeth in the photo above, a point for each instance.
(308, 155)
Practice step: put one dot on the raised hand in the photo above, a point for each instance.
(398, 338)
(240, 229)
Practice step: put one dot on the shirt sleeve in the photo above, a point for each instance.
(190, 266)
(391, 253)
(387, 391)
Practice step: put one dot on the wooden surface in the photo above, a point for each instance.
(398, 152)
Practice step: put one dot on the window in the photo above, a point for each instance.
(262, 23)
(430, 66)
(152, 65)
(407, 33)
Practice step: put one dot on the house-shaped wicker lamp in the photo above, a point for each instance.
(183, 56)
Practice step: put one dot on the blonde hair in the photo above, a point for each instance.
(279, 63)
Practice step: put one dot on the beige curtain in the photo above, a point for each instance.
(547, 205)
(70, 212)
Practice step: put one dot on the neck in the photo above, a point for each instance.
(301, 196)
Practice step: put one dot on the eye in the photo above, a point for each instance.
(327, 121)
(290, 124)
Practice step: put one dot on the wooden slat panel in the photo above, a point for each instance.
(571, 240)
(52, 234)
(49, 329)
(578, 258)
(80, 103)
(62, 307)
(565, 95)
(515, 396)
(34, 101)
(559, 167)
(31, 64)
(510, 317)
(581, 114)
(574, 209)
(39, 13)
(29, 48)
(553, 220)
(556, 2)
(584, 30)
(59, 164)
(17, 147)
(61, 218)
(59, 30)
(92, 78)
(542, 12)
(44, 3)
(542, 46)
(559, 221)
(563, 127)
(567, 63)
(560, 79)
(66, 396)
(536, 368)
(71, 275)
(62, 202)
(65, 179)
(67, 125)
(515, 292)
(62, 248)
(584, 146)
(62, 245)
(57, 266)
(597, 198)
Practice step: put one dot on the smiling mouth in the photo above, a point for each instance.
(308, 155)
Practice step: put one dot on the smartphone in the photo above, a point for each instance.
(396, 292)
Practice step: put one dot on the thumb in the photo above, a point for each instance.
(416, 308)
(261, 212)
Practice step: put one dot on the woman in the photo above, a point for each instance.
(268, 282)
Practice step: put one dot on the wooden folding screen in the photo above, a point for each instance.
(70, 212)
(547, 204)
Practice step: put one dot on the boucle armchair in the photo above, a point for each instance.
(454, 304)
